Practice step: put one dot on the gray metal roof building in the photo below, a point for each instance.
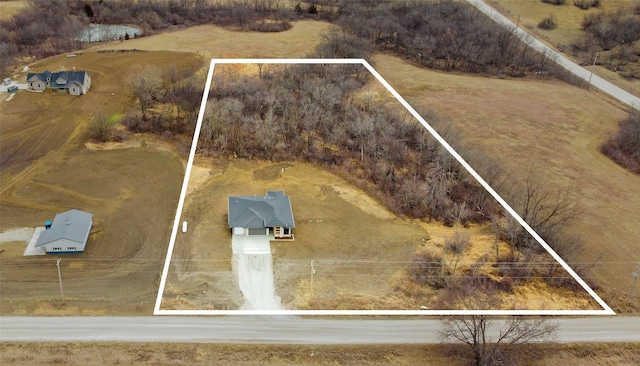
(68, 233)
(257, 212)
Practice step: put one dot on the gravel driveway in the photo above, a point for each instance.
(252, 263)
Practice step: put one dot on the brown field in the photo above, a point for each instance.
(528, 13)
(553, 127)
(87, 354)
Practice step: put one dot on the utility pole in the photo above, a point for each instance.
(313, 271)
(594, 64)
(633, 287)
(60, 278)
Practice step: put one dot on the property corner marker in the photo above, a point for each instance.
(606, 310)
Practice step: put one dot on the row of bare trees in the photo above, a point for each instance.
(448, 35)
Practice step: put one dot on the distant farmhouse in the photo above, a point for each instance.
(72, 82)
(68, 233)
(262, 215)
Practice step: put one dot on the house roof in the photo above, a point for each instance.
(66, 78)
(256, 212)
(72, 225)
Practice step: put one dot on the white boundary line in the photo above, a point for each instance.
(157, 311)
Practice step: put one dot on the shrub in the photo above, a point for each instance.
(457, 242)
(586, 4)
(100, 129)
(426, 268)
(549, 22)
(624, 146)
(270, 27)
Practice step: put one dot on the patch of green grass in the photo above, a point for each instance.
(115, 118)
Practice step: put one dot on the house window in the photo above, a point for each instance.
(57, 248)
(286, 231)
(71, 248)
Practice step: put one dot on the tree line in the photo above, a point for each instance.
(448, 35)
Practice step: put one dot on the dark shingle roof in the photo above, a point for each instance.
(256, 212)
(67, 78)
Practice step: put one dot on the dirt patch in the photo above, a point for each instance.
(349, 253)
(362, 201)
(17, 234)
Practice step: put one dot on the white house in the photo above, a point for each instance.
(68, 233)
(72, 82)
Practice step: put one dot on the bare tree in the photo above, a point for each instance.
(487, 336)
(545, 210)
(145, 83)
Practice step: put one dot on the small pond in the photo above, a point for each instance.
(102, 32)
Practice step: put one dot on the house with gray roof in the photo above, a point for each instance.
(72, 82)
(68, 233)
(262, 215)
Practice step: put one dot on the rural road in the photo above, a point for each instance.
(607, 87)
(278, 330)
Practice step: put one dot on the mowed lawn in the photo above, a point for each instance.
(552, 127)
(212, 41)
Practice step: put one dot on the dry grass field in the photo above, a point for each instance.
(215, 42)
(552, 127)
(528, 13)
(89, 354)
(8, 8)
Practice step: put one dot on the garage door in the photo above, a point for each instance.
(260, 231)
